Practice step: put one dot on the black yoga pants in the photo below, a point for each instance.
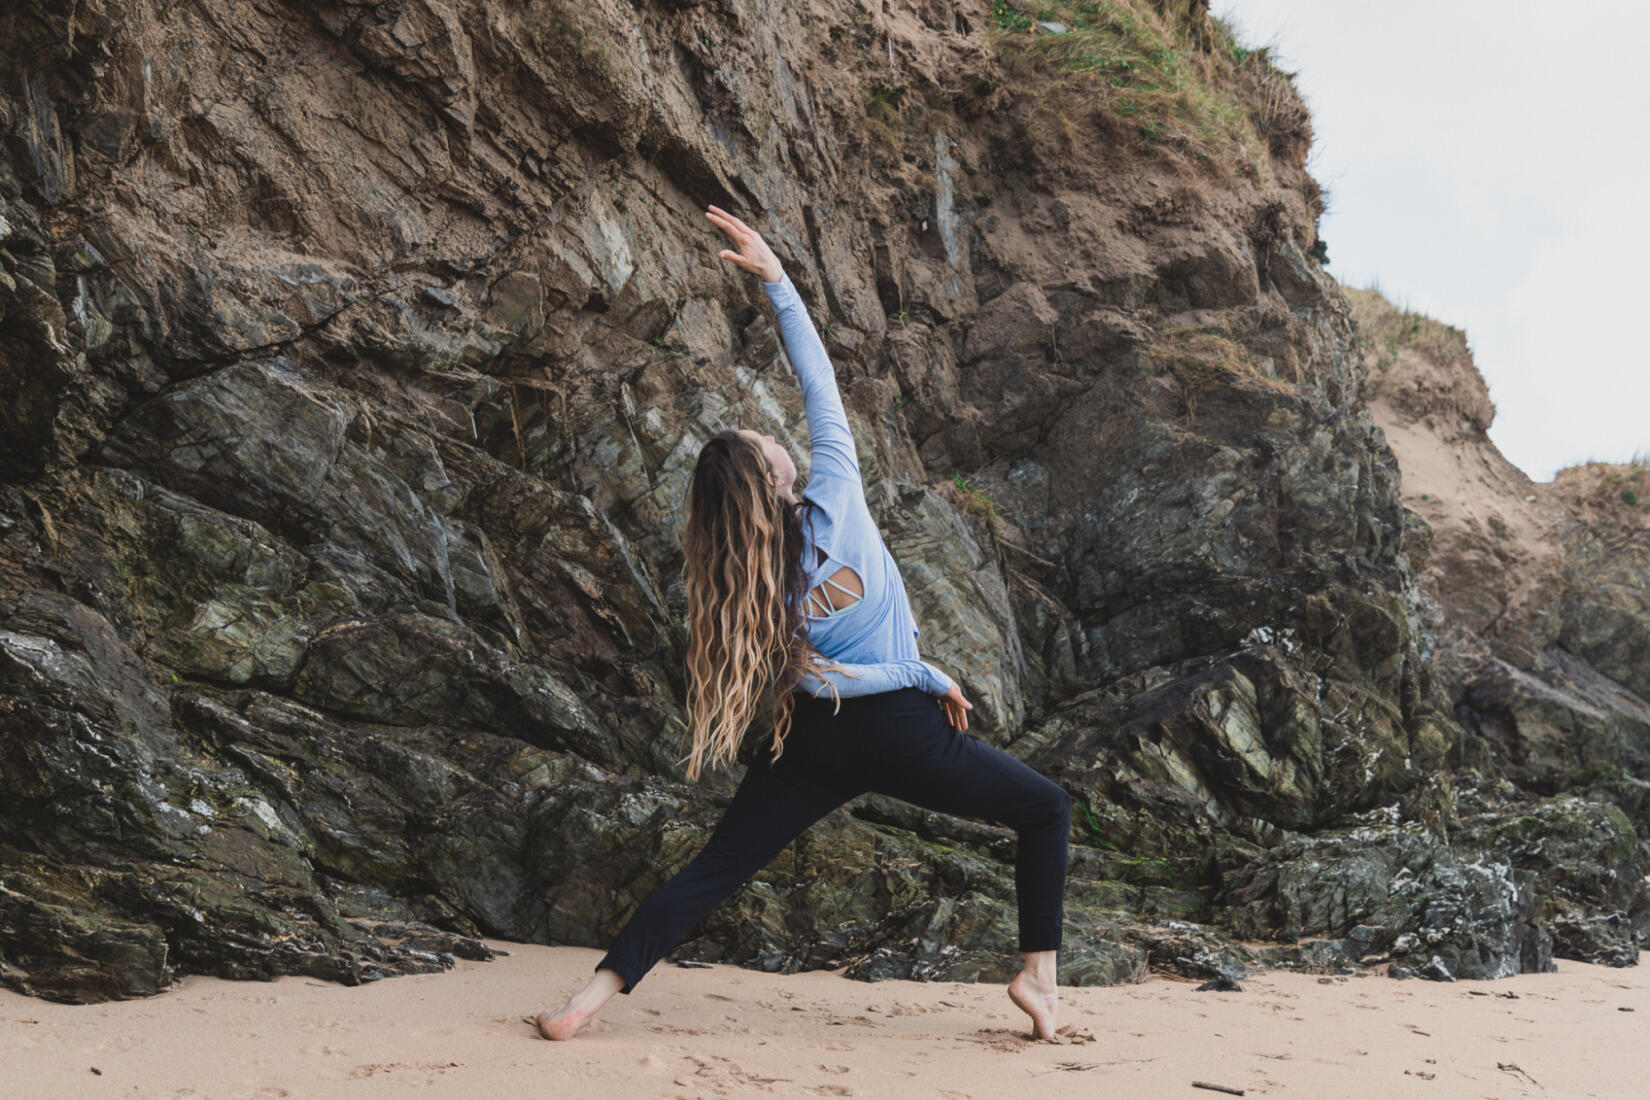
(898, 743)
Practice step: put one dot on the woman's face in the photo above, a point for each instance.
(781, 470)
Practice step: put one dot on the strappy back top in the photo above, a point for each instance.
(818, 606)
(875, 636)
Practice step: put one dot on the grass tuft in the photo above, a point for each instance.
(881, 102)
(1199, 360)
(1163, 75)
(1384, 328)
(976, 503)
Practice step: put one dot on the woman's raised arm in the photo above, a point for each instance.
(832, 443)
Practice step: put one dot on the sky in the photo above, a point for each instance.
(1487, 164)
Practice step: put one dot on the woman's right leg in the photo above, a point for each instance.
(773, 805)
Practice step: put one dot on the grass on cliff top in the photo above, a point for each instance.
(1156, 70)
(1388, 327)
(1619, 491)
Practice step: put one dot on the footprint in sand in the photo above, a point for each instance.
(1000, 1038)
(716, 997)
(1004, 1039)
(373, 1069)
(833, 1069)
(720, 1072)
(834, 1045)
(909, 1010)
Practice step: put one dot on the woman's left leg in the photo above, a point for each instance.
(920, 758)
(941, 768)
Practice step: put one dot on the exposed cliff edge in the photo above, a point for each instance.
(356, 356)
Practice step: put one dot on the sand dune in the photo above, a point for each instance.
(722, 1031)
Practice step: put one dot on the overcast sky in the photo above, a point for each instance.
(1486, 164)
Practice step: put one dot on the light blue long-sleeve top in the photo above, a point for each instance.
(875, 640)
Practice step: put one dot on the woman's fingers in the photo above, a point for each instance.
(731, 225)
(741, 261)
(737, 224)
(748, 254)
(753, 253)
(723, 224)
(748, 239)
(726, 227)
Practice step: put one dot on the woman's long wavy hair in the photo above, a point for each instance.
(744, 574)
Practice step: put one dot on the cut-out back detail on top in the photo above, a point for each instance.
(820, 608)
(883, 653)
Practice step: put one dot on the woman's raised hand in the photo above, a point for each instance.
(753, 253)
(956, 707)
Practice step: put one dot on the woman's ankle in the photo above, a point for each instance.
(1041, 967)
(602, 986)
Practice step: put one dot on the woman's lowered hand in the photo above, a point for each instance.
(956, 707)
(753, 253)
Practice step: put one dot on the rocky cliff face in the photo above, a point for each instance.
(357, 357)
(1537, 592)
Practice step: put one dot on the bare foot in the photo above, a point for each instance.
(1037, 998)
(566, 1021)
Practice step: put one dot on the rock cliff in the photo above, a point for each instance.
(1536, 590)
(356, 357)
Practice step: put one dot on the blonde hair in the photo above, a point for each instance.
(742, 546)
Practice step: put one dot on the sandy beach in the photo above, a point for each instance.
(723, 1031)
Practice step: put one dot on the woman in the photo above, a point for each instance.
(805, 595)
